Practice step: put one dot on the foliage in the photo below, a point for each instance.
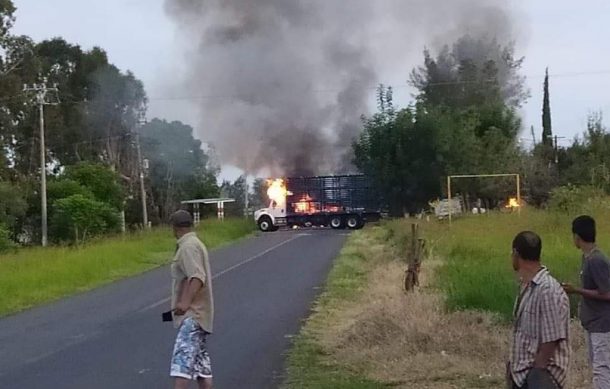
(179, 169)
(472, 72)
(410, 151)
(587, 161)
(235, 190)
(77, 218)
(577, 199)
(100, 180)
(13, 206)
(547, 131)
(259, 198)
(6, 243)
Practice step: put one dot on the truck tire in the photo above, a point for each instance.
(354, 222)
(265, 224)
(336, 222)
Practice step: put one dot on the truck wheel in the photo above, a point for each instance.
(265, 224)
(336, 222)
(354, 222)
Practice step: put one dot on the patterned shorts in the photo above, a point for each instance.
(191, 359)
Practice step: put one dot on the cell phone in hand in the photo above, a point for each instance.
(167, 316)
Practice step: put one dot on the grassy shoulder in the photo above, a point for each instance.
(33, 276)
(452, 332)
(310, 362)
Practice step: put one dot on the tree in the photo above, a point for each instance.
(100, 180)
(473, 72)
(13, 207)
(259, 198)
(587, 160)
(77, 218)
(399, 152)
(179, 169)
(235, 190)
(547, 132)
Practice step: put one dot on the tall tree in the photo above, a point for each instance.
(179, 168)
(472, 71)
(547, 132)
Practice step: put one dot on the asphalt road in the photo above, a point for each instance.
(113, 337)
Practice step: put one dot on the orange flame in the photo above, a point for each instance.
(305, 205)
(512, 203)
(277, 190)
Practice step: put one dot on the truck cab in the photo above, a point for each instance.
(272, 217)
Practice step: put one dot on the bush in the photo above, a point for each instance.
(99, 180)
(6, 244)
(77, 218)
(13, 207)
(572, 199)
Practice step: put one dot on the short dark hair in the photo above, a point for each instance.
(584, 227)
(528, 245)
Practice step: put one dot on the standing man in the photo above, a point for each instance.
(540, 351)
(192, 306)
(595, 299)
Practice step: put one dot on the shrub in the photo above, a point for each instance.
(6, 244)
(77, 218)
(577, 199)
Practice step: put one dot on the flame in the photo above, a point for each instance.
(512, 203)
(305, 205)
(277, 190)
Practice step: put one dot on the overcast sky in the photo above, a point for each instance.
(573, 40)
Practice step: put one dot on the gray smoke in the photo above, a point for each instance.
(283, 83)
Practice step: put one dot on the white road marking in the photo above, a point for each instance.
(167, 299)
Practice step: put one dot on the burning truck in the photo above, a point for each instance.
(347, 201)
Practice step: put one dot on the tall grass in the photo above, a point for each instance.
(33, 276)
(477, 271)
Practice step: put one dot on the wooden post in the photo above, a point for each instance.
(449, 197)
(413, 259)
(519, 194)
(413, 241)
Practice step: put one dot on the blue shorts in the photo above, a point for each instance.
(191, 359)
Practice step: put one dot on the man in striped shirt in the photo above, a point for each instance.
(539, 354)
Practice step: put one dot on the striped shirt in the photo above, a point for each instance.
(542, 315)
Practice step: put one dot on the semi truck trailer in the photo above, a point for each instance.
(345, 201)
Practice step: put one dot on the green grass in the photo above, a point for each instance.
(477, 271)
(33, 276)
(308, 364)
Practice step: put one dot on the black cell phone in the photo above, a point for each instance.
(167, 316)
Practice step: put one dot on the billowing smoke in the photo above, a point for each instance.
(283, 83)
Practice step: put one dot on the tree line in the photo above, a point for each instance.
(92, 123)
(464, 120)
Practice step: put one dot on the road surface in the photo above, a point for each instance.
(113, 337)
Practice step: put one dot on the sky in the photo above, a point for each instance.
(573, 40)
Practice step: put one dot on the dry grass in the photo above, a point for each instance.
(411, 340)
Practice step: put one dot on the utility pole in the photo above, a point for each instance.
(246, 197)
(140, 123)
(41, 91)
(555, 142)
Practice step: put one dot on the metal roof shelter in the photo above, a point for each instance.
(220, 206)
